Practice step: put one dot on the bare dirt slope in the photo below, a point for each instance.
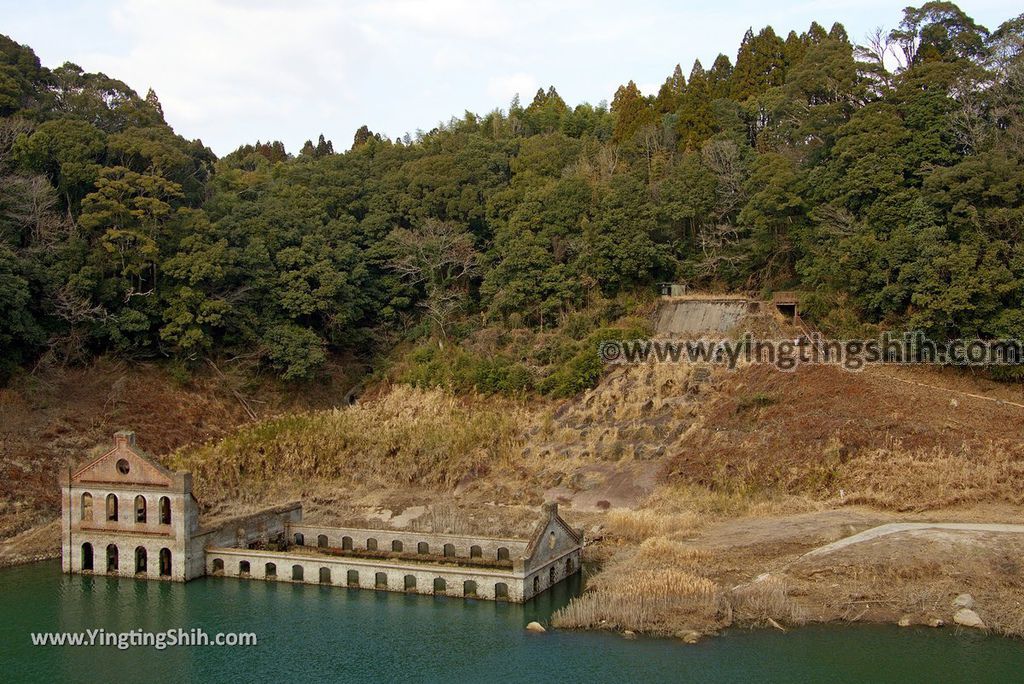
(56, 418)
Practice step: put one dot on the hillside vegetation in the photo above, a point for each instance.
(884, 178)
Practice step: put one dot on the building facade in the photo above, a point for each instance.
(126, 514)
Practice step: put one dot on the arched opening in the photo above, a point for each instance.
(501, 591)
(112, 507)
(321, 541)
(111, 558)
(86, 506)
(325, 575)
(380, 580)
(449, 550)
(299, 539)
(140, 559)
(165, 510)
(396, 546)
(218, 566)
(140, 509)
(371, 544)
(165, 562)
(423, 547)
(440, 585)
(551, 539)
(475, 552)
(410, 583)
(568, 566)
(503, 553)
(536, 584)
(244, 569)
(346, 543)
(551, 575)
(270, 570)
(86, 556)
(469, 588)
(297, 573)
(353, 578)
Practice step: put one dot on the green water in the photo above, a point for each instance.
(312, 633)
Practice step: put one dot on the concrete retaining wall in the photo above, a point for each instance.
(686, 318)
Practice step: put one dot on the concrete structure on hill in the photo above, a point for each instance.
(125, 514)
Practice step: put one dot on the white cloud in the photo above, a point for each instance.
(503, 88)
(233, 71)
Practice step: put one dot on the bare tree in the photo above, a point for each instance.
(440, 257)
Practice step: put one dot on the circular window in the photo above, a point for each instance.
(123, 467)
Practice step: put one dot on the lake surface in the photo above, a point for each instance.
(312, 633)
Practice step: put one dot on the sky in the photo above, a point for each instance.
(232, 72)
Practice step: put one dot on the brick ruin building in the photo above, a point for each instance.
(126, 514)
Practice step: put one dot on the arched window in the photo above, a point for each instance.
(353, 578)
(165, 511)
(502, 553)
(270, 570)
(86, 556)
(501, 590)
(551, 575)
(165, 563)
(380, 580)
(325, 575)
(396, 546)
(111, 558)
(140, 509)
(371, 544)
(410, 582)
(469, 588)
(568, 566)
(112, 507)
(218, 566)
(86, 506)
(297, 573)
(140, 559)
(244, 568)
(440, 585)
(475, 552)
(321, 541)
(536, 584)
(551, 539)
(449, 550)
(423, 547)
(300, 540)
(346, 543)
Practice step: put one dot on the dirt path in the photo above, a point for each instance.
(893, 528)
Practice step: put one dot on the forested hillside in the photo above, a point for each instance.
(885, 179)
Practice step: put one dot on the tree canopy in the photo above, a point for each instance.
(891, 194)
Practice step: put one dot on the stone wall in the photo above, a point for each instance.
(229, 562)
(240, 531)
(460, 546)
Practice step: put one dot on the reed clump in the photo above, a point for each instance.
(637, 525)
(763, 601)
(646, 600)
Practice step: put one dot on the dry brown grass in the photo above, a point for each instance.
(889, 444)
(647, 600)
(634, 526)
(761, 601)
(406, 437)
(896, 478)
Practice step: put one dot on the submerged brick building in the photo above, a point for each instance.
(125, 514)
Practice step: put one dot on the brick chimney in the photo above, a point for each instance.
(124, 438)
(550, 507)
